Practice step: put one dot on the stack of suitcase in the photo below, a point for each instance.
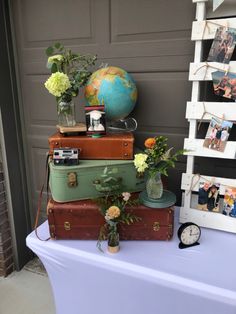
(106, 164)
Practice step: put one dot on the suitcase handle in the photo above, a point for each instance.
(46, 179)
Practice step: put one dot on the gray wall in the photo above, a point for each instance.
(227, 8)
(148, 38)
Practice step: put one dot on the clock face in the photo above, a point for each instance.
(190, 234)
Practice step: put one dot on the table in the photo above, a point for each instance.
(153, 277)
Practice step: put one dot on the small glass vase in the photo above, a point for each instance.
(113, 242)
(66, 113)
(154, 186)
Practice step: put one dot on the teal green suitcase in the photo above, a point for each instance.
(93, 178)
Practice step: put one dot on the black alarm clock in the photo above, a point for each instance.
(189, 234)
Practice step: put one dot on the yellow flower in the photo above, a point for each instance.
(55, 58)
(112, 212)
(140, 162)
(57, 84)
(150, 142)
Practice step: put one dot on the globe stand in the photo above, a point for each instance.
(168, 199)
(124, 125)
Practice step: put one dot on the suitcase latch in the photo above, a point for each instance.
(72, 179)
(156, 226)
(52, 231)
(67, 225)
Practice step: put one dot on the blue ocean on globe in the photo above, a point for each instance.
(115, 89)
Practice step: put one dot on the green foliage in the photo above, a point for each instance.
(58, 46)
(49, 51)
(75, 65)
(54, 68)
(160, 157)
(129, 219)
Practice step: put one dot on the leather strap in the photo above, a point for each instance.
(46, 178)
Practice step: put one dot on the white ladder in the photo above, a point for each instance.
(201, 71)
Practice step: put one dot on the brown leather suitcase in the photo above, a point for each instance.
(109, 146)
(82, 220)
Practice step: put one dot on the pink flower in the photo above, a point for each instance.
(126, 196)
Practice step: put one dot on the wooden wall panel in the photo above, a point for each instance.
(147, 20)
(46, 21)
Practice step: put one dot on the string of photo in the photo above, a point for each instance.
(224, 83)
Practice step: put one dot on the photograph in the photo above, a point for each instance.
(209, 196)
(223, 45)
(229, 207)
(224, 85)
(217, 134)
(95, 120)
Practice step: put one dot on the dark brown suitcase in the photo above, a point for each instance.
(82, 220)
(109, 146)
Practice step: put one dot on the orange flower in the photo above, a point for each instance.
(150, 142)
(112, 212)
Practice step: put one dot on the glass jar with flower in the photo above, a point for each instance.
(69, 72)
(156, 160)
(113, 208)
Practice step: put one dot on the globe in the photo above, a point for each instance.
(114, 88)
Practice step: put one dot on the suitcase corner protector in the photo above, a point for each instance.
(50, 207)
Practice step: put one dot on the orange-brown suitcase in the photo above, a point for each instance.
(109, 146)
(82, 220)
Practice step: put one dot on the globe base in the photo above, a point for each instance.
(123, 125)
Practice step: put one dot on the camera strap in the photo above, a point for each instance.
(46, 179)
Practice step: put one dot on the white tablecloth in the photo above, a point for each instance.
(145, 277)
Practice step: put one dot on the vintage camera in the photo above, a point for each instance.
(66, 156)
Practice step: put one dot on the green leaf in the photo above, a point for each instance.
(57, 45)
(49, 51)
(54, 68)
(77, 76)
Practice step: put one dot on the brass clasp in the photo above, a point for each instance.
(52, 231)
(67, 225)
(170, 227)
(156, 226)
(72, 179)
